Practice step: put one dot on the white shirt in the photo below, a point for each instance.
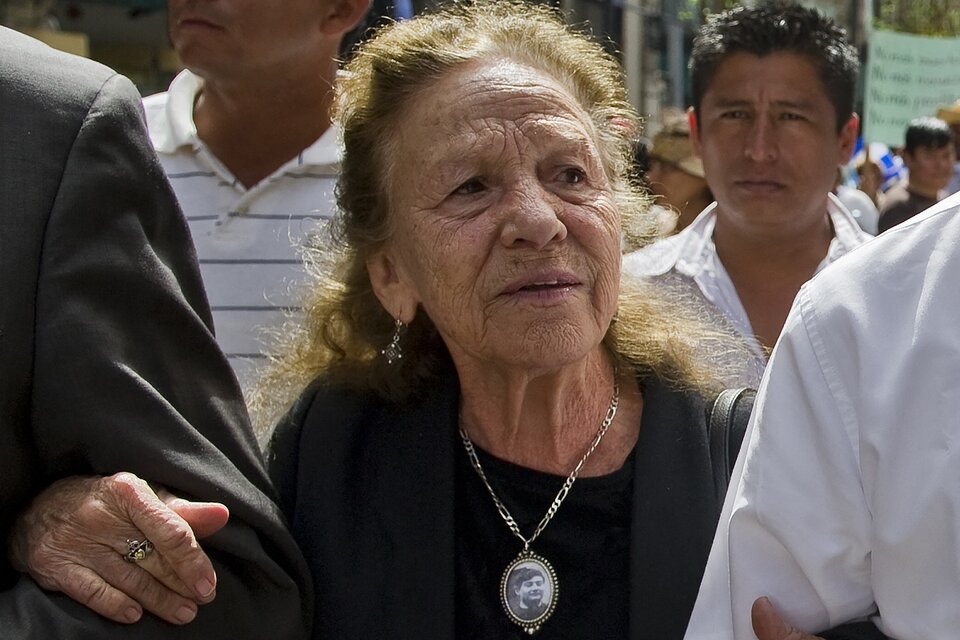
(692, 255)
(846, 497)
(246, 239)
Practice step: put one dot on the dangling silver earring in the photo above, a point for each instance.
(392, 352)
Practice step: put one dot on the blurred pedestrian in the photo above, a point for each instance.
(245, 137)
(870, 179)
(858, 203)
(951, 115)
(675, 175)
(929, 155)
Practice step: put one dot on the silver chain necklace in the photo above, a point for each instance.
(528, 589)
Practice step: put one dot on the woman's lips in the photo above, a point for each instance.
(545, 287)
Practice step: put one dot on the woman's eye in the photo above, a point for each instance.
(573, 175)
(469, 187)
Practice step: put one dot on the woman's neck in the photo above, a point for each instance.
(546, 420)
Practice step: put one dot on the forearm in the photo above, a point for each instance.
(128, 376)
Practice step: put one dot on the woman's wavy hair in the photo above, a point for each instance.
(344, 326)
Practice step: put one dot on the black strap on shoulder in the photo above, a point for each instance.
(728, 422)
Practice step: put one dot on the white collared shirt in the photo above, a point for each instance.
(845, 500)
(246, 239)
(692, 255)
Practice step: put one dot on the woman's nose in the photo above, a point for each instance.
(532, 218)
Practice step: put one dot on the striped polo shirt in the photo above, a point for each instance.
(246, 239)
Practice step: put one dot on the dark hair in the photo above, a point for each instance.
(523, 574)
(932, 133)
(772, 28)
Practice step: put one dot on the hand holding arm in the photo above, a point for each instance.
(768, 625)
(73, 537)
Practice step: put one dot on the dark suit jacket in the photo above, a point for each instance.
(369, 489)
(107, 359)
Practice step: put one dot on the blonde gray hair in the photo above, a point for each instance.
(344, 325)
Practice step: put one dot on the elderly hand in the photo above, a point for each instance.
(74, 536)
(768, 625)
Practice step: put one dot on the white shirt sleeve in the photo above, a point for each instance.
(795, 525)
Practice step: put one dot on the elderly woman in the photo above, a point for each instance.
(490, 435)
(487, 398)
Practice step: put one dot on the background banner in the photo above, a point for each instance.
(907, 76)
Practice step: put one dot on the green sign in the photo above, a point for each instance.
(907, 76)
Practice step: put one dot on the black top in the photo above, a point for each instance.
(900, 204)
(587, 542)
(374, 492)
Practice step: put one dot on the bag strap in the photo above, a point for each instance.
(729, 416)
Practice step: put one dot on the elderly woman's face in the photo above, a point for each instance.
(507, 234)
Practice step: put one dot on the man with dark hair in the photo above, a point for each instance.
(778, 27)
(929, 155)
(772, 119)
(526, 593)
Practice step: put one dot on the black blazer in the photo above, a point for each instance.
(369, 490)
(107, 359)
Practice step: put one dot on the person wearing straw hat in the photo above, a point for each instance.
(676, 173)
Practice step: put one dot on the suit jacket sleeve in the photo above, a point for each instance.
(127, 376)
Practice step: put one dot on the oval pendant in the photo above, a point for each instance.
(528, 591)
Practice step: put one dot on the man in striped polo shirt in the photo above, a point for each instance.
(245, 138)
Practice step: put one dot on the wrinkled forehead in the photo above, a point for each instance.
(490, 98)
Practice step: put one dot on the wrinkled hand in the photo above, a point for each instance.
(768, 625)
(73, 537)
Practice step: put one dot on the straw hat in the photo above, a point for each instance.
(951, 114)
(672, 145)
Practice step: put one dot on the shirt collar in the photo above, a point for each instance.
(177, 129)
(847, 234)
(696, 250)
(696, 243)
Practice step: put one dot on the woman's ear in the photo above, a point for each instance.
(391, 286)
